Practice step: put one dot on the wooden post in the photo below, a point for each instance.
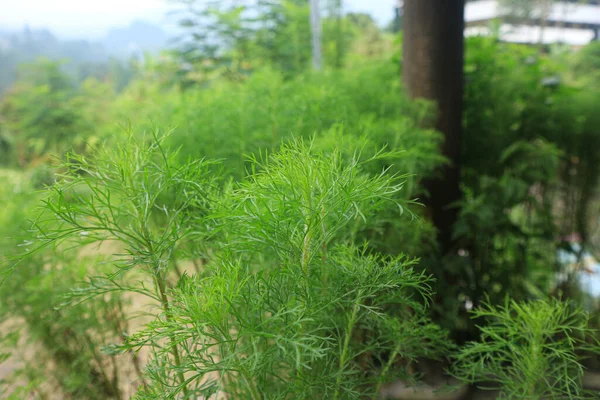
(432, 68)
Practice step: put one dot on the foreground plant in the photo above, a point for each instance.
(288, 306)
(141, 199)
(528, 350)
(291, 309)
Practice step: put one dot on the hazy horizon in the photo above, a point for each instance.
(75, 19)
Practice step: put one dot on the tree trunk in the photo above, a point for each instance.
(433, 69)
(315, 28)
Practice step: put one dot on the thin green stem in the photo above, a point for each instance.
(324, 231)
(346, 345)
(306, 250)
(386, 369)
(168, 316)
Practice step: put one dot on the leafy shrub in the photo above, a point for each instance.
(44, 115)
(54, 348)
(528, 350)
(529, 177)
(286, 306)
(230, 120)
(508, 99)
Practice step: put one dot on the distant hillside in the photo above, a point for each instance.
(81, 56)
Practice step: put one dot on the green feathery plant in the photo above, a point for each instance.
(290, 309)
(139, 197)
(528, 350)
(54, 349)
(288, 306)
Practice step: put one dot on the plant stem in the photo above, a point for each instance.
(111, 386)
(386, 369)
(243, 373)
(324, 244)
(167, 310)
(306, 250)
(176, 266)
(346, 346)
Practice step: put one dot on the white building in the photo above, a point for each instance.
(569, 22)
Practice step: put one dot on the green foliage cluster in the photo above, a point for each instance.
(231, 120)
(286, 304)
(267, 252)
(131, 196)
(515, 94)
(66, 343)
(45, 114)
(528, 350)
(529, 173)
(233, 38)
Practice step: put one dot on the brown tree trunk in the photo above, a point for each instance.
(433, 48)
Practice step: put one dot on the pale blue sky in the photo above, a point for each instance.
(90, 19)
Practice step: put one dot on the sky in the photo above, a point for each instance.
(91, 19)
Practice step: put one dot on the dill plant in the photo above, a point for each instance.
(66, 344)
(288, 305)
(140, 198)
(528, 350)
(53, 349)
(291, 308)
